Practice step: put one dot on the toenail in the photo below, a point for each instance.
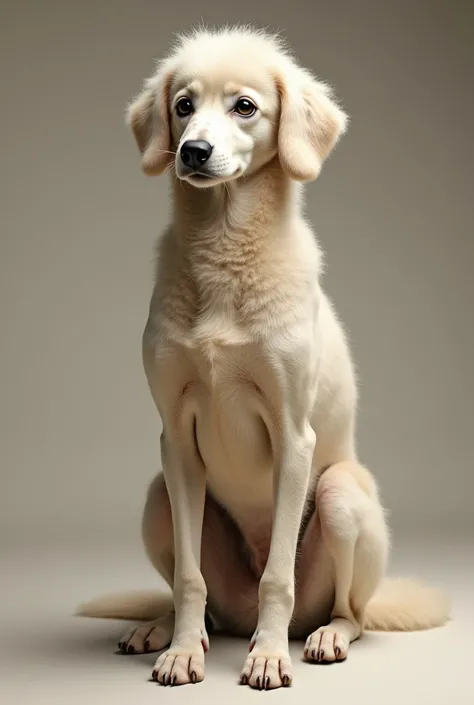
(130, 650)
(286, 681)
(244, 680)
(193, 677)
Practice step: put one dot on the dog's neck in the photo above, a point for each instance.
(249, 208)
(234, 247)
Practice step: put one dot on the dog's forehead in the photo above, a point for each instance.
(223, 77)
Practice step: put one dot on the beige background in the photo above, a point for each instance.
(78, 431)
(393, 209)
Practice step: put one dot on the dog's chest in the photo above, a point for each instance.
(232, 422)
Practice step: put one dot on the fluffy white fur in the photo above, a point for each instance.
(264, 512)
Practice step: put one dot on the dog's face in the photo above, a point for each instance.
(222, 129)
(224, 104)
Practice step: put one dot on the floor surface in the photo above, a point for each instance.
(49, 656)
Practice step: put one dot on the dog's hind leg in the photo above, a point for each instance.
(157, 532)
(150, 636)
(351, 523)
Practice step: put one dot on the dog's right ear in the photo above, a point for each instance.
(311, 123)
(148, 116)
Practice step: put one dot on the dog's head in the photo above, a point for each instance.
(225, 103)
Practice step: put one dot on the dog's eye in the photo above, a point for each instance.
(184, 107)
(245, 107)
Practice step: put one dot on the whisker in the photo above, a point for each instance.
(226, 186)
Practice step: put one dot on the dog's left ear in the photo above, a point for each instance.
(310, 124)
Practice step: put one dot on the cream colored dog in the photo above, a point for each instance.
(263, 511)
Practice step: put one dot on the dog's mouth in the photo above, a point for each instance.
(189, 174)
(205, 178)
(200, 176)
(201, 179)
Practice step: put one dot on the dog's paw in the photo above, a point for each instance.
(267, 668)
(152, 636)
(327, 645)
(179, 666)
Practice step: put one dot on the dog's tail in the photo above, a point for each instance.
(139, 606)
(404, 605)
(398, 605)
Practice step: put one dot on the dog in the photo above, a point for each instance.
(263, 522)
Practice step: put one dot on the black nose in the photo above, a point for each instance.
(195, 153)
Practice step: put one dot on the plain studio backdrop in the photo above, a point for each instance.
(79, 434)
(393, 210)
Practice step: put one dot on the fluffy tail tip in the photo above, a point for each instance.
(136, 605)
(403, 604)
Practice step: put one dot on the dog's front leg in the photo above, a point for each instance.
(268, 664)
(184, 473)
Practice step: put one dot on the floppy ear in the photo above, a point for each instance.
(310, 124)
(148, 116)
